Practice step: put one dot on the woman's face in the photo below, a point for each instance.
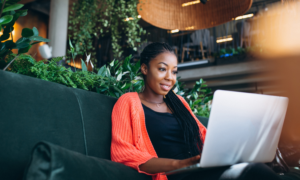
(160, 76)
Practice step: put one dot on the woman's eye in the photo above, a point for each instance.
(162, 69)
(175, 72)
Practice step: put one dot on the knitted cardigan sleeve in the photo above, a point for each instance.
(123, 147)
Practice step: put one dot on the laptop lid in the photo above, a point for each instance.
(243, 127)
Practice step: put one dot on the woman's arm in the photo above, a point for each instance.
(158, 165)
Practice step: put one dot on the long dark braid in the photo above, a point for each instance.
(192, 135)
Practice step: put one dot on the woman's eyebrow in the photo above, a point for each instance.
(163, 63)
(166, 64)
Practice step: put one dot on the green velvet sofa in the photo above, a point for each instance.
(34, 110)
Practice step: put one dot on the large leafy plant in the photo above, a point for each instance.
(91, 19)
(9, 13)
(113, 80)
(122, 78)
(198, 97)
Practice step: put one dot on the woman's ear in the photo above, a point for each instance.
(144, 69)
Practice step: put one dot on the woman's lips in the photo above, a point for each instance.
(165, 87)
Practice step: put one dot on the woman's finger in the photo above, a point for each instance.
(193, 160)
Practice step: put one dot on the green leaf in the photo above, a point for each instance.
(108, 72)
(112, 63)
(197, 101)
(26, 32)
(118, 90)
(102, 89)
(6, 19)
(12, 7)
(22, 12)
(35, 42)
(125, 63)
(70, 43)
(39, 38)
(9, 44)
(83, 66)
(124, 86)
(119, 77)
(111, 94)
(102, 71)
(22, 43)
(8, 29)
(4, 36)
(24, 50)
(3, 52)
(35, 31)
(137, 66)
(195, 95)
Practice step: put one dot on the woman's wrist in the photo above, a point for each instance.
(176, 164)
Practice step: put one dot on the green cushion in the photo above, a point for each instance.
(51, 162)
(96, 115)
(33, 110)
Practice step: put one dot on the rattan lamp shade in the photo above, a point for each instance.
(169, 14)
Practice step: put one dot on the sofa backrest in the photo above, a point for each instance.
(32, 110)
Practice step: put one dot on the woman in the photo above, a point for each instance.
(155, 131)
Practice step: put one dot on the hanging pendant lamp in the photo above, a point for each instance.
(191, 14)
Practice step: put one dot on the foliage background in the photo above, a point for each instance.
(90, 20)
(8, 16)
(112, 80)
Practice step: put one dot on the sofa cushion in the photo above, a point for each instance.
(52, 162)
(33, 110)
(96, 116)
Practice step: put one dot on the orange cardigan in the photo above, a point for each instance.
(130, 143)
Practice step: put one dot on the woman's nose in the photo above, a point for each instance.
(169, 75)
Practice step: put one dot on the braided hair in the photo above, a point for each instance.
(191, 133)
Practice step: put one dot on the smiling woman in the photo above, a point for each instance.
(160, 73)
(155, 131)
(143, 146)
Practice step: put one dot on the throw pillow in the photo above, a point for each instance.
(52, 162)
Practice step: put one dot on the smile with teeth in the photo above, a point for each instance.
(165, 87)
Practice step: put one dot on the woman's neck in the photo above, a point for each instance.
(149, 95)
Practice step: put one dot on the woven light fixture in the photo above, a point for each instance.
(191, 14)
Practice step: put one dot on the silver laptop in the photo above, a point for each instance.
(242, 127)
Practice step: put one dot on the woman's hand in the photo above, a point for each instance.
(159, 165)
(187, 162)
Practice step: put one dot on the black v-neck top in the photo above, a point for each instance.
(165, 134)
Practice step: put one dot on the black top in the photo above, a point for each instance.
(166, 135)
